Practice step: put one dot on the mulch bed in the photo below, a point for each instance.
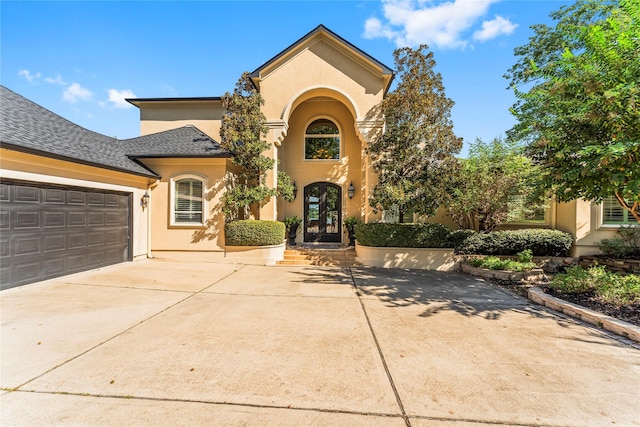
(629, 313)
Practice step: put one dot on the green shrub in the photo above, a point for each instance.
(403, 235)
(610, 287)
(625, 245)
(525, 256)
(457, 237)
(254, 233)
(541, 242)
(495, 263)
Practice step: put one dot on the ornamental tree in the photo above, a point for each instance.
(414, 157)
(497, 184)
(242, 133)
(578, 89)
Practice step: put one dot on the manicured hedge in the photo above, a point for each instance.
(404, 235)
(254, 233)
(509, 242)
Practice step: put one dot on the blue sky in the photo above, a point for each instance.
(80, 59)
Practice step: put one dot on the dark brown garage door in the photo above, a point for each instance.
(48, 231)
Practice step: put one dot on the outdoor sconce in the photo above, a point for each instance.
(144, 200)
(295, 190)
(351, 190)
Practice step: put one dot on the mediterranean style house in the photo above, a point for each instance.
(73, 200)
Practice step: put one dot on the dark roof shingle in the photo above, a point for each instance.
(26, 126)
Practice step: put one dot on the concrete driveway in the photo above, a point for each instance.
(160, 342)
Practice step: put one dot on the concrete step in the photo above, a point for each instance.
(322, 257)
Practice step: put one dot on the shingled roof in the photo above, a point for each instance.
(187, 141)
(28, 127)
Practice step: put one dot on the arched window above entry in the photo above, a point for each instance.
(322, 141)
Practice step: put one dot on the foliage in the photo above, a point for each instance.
(496, 184)
(610, 287)
(414, 157)
(495, 263)
(457, 237)
(404, 235)
(625, 245)
(242, 131)
(285, 186)
(291, 222)
(253, 233)
(541, 242)
(350, 223)
(525, 256)
(579, 114)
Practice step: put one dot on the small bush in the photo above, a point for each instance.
(457, 237)
(525, 256)
(625, 245)
(495, 263)
(254, 233)
(540, 242)
(403, 235)
(610, 287)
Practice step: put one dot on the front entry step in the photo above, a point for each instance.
(335, 256)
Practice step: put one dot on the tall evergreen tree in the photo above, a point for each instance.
(414, 157)
(243, 132)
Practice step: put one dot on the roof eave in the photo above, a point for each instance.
(41, 153)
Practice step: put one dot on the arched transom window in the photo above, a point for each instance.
(322, 141)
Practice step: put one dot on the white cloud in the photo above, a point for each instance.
(57, 80)
(117, 98)
(494, 28)
(28, 76)
(442, 25)
(75, 93)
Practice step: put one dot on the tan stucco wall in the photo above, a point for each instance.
(161, 116)
(583, 220)
(167, 237)
(324, 67)
(28, 167)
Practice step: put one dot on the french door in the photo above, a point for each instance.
(322, 212)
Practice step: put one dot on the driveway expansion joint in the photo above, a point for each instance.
(382, 358)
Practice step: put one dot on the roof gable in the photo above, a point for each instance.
(323, 34)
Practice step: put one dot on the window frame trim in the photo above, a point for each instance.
(340, 135)
(172, 202)
(611, 225)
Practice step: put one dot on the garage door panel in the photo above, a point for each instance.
(26, 245)
(49, 231)
(53, 219)
(54, 242)
(26, 194)
(76, 198)
(26, 219)
(76, 219)
(54, 196)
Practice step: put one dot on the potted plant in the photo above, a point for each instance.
(350, 224)
(291, 224)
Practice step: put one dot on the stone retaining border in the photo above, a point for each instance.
(619, 327)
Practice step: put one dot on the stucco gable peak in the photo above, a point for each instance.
(323, 34)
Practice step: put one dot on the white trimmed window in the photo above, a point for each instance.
(614, 214)
(187, 200)
(322, 141)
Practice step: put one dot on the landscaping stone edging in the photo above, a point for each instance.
(619, 327)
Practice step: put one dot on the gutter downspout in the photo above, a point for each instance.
(150, 188)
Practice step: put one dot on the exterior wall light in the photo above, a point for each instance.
(351, 190)
(295, 190)
(144, 200)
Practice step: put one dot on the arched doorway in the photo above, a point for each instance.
(322, 212)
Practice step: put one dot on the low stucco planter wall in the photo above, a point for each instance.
(418, 258)
(257, 255)
(523, 276)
